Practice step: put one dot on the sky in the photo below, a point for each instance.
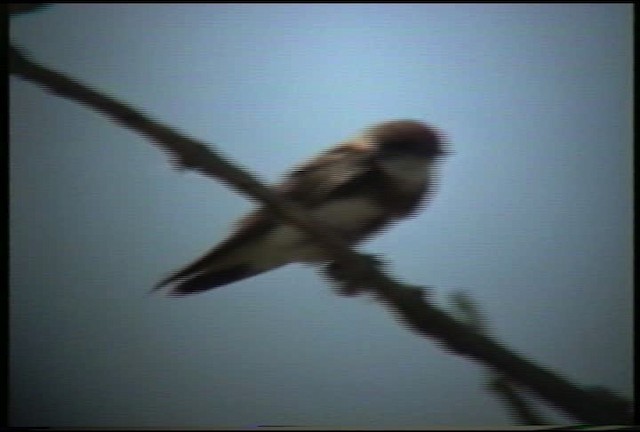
(532, 218)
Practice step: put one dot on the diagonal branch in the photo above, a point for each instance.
(405, 301)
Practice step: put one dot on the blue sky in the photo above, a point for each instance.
(533, 217)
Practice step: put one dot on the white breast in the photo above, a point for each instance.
(285, 243)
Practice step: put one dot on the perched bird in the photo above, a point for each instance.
(355, 189)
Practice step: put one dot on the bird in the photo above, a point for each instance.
(383, 174)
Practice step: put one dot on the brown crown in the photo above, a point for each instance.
(410, 136)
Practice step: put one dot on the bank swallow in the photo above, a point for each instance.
(355, 189)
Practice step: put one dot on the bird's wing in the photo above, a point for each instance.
(329, 175)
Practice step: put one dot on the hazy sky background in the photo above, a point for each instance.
(533, 217)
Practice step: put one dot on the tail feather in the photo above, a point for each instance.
(205, 274)
(240, 256)
(225, 263)
(199, 265)
(212, 279)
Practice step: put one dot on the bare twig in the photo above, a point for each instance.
(469, 312)
(407, 302)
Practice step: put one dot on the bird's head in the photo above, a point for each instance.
(407, 138)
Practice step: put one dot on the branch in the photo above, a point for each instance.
(405, 301)
(468, 310)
